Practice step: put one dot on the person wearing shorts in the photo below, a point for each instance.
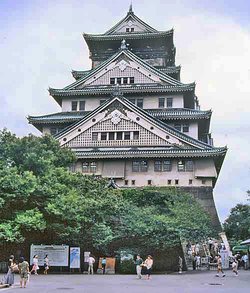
(23, 271)
(149, 263)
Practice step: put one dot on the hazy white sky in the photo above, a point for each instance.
(41, 42)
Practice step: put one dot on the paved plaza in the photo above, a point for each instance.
(191, 282)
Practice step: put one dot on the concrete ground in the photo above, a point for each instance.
(191, 282)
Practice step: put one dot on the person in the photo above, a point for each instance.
(219, 267)
(180, 263)
(235, 266)
(138, 266)
(12, 268)
(91, 262)
(148, 264)
(210, 244)
(198, 261)
(104, 261)
(194, 261)
(46, 264)
(35, 266)
(245, 261)
(197, 248)
(23, 267)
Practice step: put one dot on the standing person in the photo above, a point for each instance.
(12, 268)
(180, 263)
(46, 264)
(245, 261)
(23, 271)
(104, 261)
(194, 261)
(35, 266)
(219, 267)
(198, 262)
(235, 266)
(91, 262)
(149, 263)
(138, 266)
(197, 248)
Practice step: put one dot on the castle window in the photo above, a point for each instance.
(133, 182)
(132, 29)
(169, 102)
(125, 182)
(111, 135)
(185, 127)
(136, 135)
(139, 166)
(103, 135)
(176, 182)
(167, 166)
(131, 80)
(169, 181)
(190, 182)
(85, 167)
(127, 29)
(119, 135)
(135, 166)
(119, 80)
(93, 167)
(203, 181)
(161, 102)
(189, 166)
(158, 166)
(112, 80)
(94, 136)
(140, 103)
(144, 166)
(82, 105)
(74, 105)
(125, 80)
(149, 182)
(177, 126)
(181, 166)
(126, 135)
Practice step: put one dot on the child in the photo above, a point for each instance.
(235, 266)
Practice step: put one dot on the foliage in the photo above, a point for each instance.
(42, 202)
(127, 267)
(237, 225)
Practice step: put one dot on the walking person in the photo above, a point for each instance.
(235, 266)
(104, 261)
(245, 261)
(148, 264)
(198, 261)
(23, 271)
(138, 266)
(219, 267)
(91, 262)
(35, 266)
(46, 264)
(12, 268)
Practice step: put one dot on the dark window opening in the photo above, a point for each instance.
(82, 105)
(136, 135)
(127, 29)
(131, 80)
(85, 167)
(158, 166)
(169, 181)
(203, 181)
(119, 80)
(119, 136)
(161, 102)
(140, 103)
(169, 102)
(190, 182)
(103, 135)
(125, 80)
(149, 182)
(144, 166)
(132, 29)
(112, 80)
(135, 166)
(126, 182)
(133, 182)
(185, 127)
(167, 166)
(94, 136)
(176, 181)
(127, 135)
(74, 105)
(111, 135)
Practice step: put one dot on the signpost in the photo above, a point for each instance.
(58, 254)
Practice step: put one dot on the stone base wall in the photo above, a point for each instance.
(204, 195)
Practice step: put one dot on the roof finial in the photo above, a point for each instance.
(130, 7)
(123, 45)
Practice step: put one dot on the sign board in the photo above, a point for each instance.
(58, 254)
(110, 265)
(74, 258)
(224, 259)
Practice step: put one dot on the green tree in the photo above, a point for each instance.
(237, 225)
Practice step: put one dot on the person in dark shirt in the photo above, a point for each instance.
(138, 265)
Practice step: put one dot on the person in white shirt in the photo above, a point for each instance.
(91, 262)
(244, 259)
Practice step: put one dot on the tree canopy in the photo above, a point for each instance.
(42, 202)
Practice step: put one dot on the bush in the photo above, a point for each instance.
(127, 267)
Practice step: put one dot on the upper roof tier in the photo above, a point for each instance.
(145, 41)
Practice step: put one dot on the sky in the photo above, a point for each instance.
(41, 42)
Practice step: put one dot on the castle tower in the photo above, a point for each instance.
(131, 119)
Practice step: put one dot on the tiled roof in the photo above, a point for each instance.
(137, 88)
(153, 152)
(127, 36)
(72, 116)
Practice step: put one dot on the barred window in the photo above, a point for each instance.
(181, 166)
(125, 80)
(139, 166)
(144, 166)
(136, 135)
(119, 80)
(112, 80)
(119, 135)
(103, 135)
(135, 166)
(82, 105)
(94, 136)
(111, 135)
(93, 167)
(185, 127)
(169, 102)
(140, 103)
(189, 166)
(158, 166)
(126, 135)
(74, 105)
(161, 102)
(167, 165)
(131, 80)
(85, 167)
